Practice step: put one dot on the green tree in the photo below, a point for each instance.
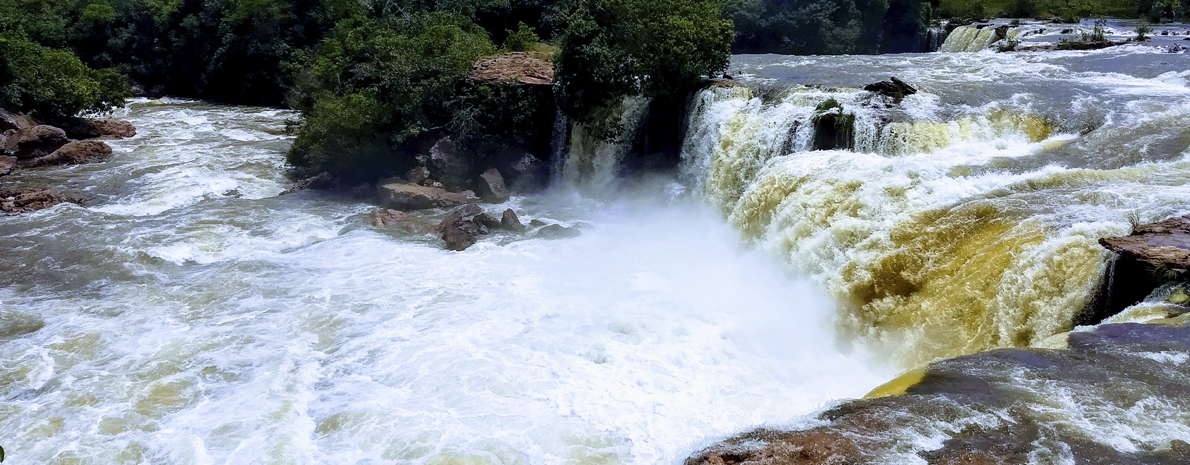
(616, 48)
(51, 84)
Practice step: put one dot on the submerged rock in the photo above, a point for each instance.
(76, 153)
(557, 231)
(406, 196)
(894, 88)
(36, 141)
(1166, 243)
(491, 187)
(510, 222)
(1005, 406)
(28, 200)
(386, 217)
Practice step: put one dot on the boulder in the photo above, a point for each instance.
(557, 231)
(27, 200)
(406, 196)
(14, 121)
(528, 174)
(7, 164)
(460, 229)
(418, 175)
(386, 217)
(106, 128)
(1166, 243)
(487, 221)
(76, 153)
(510, 222)
(491, 187)
(320, 181)
(447, 165)
(895, 89)
(33, 142)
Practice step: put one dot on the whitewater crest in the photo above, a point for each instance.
(940, 231)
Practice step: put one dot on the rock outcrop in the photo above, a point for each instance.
(894, 88)
(103, 128)
(386, 217)
(491, 187)
(7, 164)
(10, 121)
(33, 142)
(28, 200)
(526, 68)
(1166, 243)
(509, 221)
(76, 153)
(447, 165)
(406, 196)
(460, 230)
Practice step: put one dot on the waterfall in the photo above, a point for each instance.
(970, 39)
(595, 150)
(902, 230)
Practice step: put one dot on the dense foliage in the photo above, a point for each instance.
(51, 84)
(616, 48)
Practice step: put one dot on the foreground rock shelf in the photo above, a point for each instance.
(1007, 407)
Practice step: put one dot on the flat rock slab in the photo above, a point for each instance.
(405, 196)
(526, 68)
(1166, 243)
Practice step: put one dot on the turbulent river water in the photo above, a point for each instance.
(192, 314)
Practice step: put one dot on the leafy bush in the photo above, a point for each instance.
(617, 48)
(400, 73)
(51, 84)
(1143, 29)
(521, 40)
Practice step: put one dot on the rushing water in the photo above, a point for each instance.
(191, 314)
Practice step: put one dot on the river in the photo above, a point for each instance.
(191, 314)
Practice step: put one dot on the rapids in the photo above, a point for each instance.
(191, 314)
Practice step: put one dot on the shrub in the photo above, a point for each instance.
(617, 48)
(1143, 29)
(521, 40)
(51, 84)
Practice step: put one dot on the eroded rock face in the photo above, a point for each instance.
(406, 196)
(76, 153)
(1166, 243)
(491, 187)
(33, 142)
(998, 407)
(104, 128)
(28, 200)
(7, 164)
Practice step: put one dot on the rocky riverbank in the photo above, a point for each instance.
(25, 144)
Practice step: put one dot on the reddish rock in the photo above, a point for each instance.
(385, 218)
(460, 230)
(27, 200)
(105, 128)
(76, 153)
(526, 68)
(1166, 243)
(33, 142)
(491, 187)
(7, 164)
(405, 196)
(14, 121)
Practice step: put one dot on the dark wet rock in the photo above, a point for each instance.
(386, 217)
(1102, 375)
(833, 128)
(318, 182)
(528, 174)
(488, 221)
(14, 121)
(535, 222)
(418, 175)
(491, 187)
(92, 128)
(894, 88)
(33, 142)
(447, 165)
(76, 153)
(460, 229)
(510, 222)
(405, 196)
(7, 164)
(1166, 243)
(28, 200)
(1181, 449)
(557, 231)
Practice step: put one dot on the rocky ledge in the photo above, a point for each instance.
(1165, 243)
(28, 200)
(529, 68)
(1006, 407)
